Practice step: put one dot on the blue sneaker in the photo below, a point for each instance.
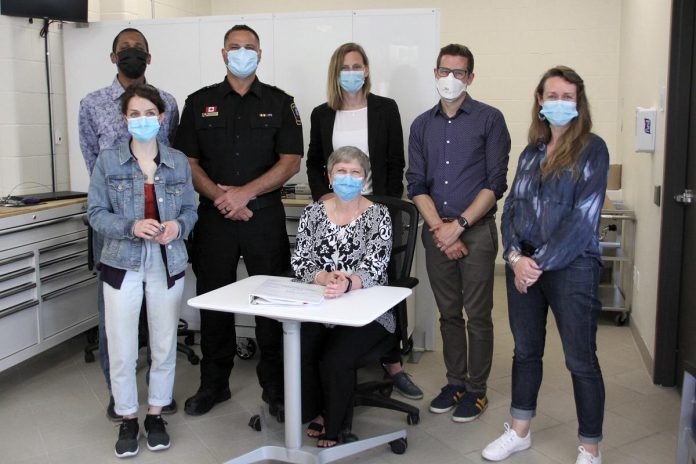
(449, 396)
(470, 407)
(404, 385)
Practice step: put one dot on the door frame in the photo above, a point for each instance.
(665, 368)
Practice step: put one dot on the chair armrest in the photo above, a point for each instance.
(406, 282)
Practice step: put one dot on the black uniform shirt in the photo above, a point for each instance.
(238, 138)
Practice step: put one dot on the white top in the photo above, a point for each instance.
(356, 308)
(350, 129)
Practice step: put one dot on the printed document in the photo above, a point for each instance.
(286, 293)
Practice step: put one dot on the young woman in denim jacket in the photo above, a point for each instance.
(550, 237)
(141, 200)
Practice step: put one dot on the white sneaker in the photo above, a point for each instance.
(506, 444)
(587, 458)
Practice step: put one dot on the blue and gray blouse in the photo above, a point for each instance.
(558, 218)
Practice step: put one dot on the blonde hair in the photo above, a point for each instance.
(334, 92)
(573, 141)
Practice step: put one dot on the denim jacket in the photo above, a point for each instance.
(117, 199)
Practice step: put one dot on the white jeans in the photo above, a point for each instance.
(122, 310)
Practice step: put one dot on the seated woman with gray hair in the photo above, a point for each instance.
(343, 243)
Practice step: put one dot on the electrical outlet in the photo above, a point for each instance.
(58, 137)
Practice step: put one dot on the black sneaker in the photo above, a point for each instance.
(128, 433)
(157, 436)
(470, 407)
(449, 397)
(171, 408)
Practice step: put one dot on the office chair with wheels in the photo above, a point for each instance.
(404, 217)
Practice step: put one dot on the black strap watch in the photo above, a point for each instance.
(463, 223)
(350, 285)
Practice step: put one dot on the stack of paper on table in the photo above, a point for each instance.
(286, 293)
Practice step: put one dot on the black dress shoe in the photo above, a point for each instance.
(276, 404)
(111, 412)
(204, 400)
(171, 408)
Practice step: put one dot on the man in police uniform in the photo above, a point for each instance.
(244, 140)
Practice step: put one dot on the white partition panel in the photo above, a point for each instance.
(401, 44)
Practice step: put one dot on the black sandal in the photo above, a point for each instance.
(315, 427)
(323, 437)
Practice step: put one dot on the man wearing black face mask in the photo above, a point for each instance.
(102, 126)
(101, 121)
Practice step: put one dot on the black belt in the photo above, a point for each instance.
(265, 200)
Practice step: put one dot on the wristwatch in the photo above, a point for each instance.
(463, 223)
(350, 285)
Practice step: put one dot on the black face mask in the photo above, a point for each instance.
(132, 62)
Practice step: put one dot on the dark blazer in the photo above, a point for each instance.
(384, 140)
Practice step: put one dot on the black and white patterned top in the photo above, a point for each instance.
(361, 248)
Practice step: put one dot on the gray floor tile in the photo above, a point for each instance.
(52, 410)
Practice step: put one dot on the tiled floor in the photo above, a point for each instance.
(52, 410)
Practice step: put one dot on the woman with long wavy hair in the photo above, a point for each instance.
(550, 236)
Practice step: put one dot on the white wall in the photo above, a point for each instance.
(644, 68)
(620, 47)
(24, 134)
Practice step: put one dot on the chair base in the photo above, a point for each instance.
(312, 455)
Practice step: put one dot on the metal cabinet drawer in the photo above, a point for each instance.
(18, 328)
(68, 306)
(74, 246)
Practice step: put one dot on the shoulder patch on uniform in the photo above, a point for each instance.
(278, 89)
(208, 87)
(296, 113)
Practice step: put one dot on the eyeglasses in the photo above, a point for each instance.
(458, 73)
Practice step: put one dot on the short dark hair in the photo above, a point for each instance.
(146, 91)
(128, 29)
(457, 50)
(241, 27)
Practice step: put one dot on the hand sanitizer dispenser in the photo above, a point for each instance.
(646, 119)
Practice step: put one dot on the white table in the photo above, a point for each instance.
(357, 308)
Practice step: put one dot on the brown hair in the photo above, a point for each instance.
(457, 50)
(334, 92)
(145, 91)
(573, 141)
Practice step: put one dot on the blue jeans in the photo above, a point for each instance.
(572, 295)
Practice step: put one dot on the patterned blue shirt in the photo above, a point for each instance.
(102, 126)
(452, 159)
(559, 216)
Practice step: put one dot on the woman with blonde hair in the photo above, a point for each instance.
(353, 116)
(550, 227)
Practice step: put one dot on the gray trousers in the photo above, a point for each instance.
(465, 284)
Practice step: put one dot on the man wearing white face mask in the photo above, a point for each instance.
(458, 156)
(244, 141)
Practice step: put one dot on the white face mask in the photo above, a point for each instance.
(450, 88)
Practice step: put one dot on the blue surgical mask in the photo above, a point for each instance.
(351, 81)
(144, 128)
(559, 112)
(242, 62)
(347, 187)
